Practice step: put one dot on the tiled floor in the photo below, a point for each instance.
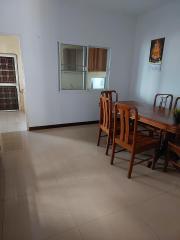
(57, 185)
(12, 121)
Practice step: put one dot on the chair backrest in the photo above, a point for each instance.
(112, 94)
(163, 101)
(176, 103)
(105, 113)
(127, 135)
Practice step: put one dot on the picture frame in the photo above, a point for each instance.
(156, 51)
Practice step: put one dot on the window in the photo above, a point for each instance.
(83, 68)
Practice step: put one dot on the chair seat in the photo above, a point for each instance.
(143, 142)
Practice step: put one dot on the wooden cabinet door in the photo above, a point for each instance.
(97, 59)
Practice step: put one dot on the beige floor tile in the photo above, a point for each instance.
(16, 184)
(162, 214)
(18, 222)
(98, 195)
(122, 225)
(166, 182)
(1, 218)
(40, 217)
(73, 234)
(88, 203)
(176, 192)
(12, 121)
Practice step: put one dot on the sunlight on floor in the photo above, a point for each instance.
(12, 121)
(56, 184)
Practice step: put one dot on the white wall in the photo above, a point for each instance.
(40, 24)
(148, 80)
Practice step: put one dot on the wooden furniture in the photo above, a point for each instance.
(165, 101)
(162, 119)
(176, 102)
(105, 123)
(97, 59)
(155, 117)
(129, 138)
(112, 94)
(175, 148)
(161, 101)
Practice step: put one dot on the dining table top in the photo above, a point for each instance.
(154, 116)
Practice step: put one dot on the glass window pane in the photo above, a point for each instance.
(72, 81)
(72, 57)
(73, 60)
(96, 80)
(98, 83)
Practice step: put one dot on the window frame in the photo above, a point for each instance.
(85, 89)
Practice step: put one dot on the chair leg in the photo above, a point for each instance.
(108, 143)
(113, 152)
(99, 136)
(149, 164)
(166, 161)
(131, 163)
(155, 158)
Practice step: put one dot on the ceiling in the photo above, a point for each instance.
(133, 7)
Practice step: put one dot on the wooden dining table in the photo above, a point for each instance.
(155, 117)
(158, 118)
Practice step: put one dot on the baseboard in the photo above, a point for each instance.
(62, 125)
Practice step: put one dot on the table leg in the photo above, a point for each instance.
(163, 146)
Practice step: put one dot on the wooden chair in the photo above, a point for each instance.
(162, 101)
(112, 94)
(176, 103)
(105, 123)
(130, 139)
(175, 148)
(165, 101)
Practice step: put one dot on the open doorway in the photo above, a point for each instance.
(12, 107)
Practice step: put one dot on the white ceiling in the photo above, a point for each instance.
(134, 7)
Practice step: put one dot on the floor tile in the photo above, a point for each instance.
(73, 234)
(162, 214)
(122, 225)
(12, 121)
(37, 217)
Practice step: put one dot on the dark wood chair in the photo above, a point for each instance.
(129, 138)
(175, 148)
(112, 94)
(163, 101)
(176, 103)
(105, 123)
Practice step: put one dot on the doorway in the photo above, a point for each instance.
(12, 107)
(9, 88)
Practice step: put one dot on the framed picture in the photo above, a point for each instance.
(156, 51)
